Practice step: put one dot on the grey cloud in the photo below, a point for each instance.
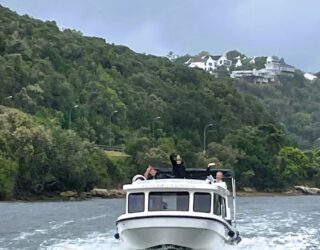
(286, 28)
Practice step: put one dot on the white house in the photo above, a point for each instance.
(238, 63)
(310, 76)
(223, 61)
(208, 63)
(252, 61)
(255, 76)
(276, 65)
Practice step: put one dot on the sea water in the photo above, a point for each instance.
(275, 223)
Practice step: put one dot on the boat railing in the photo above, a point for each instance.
(198, 173)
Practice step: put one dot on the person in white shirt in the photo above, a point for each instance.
(219, 175)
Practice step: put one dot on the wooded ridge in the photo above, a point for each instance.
(59, 91)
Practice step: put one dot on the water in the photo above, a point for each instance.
(275, 223)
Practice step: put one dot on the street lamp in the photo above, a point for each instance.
(112, 113)
(204, 137)
(75, 106)
(156, 118)
(316, 143)
(7, 98)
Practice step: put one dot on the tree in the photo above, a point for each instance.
(258, 148)
(294, 164)
(8, 172)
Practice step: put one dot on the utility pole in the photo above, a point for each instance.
(112, 113)
(204, 137)
(153, 120)
(69, 125)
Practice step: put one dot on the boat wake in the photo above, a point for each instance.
(96, 241)
(101, 241)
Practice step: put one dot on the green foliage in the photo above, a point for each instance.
(8, 172)
(38, 156)
(232, 54)
(294, 162)
(295, 103)
(255, 161)
(67, 85)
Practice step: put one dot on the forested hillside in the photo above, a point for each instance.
(59, 93)
(295, 102)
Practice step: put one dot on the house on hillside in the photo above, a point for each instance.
(252, 60)
(254, 76)
(310, 76)
(223, 61)
(278, 66)
(208, 63)
(238, 63)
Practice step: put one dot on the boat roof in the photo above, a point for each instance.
(199, 173)
(176, 185)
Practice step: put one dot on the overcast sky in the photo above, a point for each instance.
(286, 28)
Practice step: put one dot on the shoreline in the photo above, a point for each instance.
(257, 193)
(119, 194)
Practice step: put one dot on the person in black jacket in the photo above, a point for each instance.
(178, 168)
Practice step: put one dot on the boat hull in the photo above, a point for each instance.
(189, 232)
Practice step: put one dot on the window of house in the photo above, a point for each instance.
(136, 202)
(202, 202)
(168, 201)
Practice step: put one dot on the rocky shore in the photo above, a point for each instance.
(67, 195)
(96, 192)
(308, 190)
(296, 190)
(119, 193)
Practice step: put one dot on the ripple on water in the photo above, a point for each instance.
(97, 241)
(60, 225)
(25, 235)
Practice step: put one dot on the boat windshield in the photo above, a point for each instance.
(168, 201)
(136, 202)
(202, 202)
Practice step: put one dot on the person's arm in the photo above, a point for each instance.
(146, 174)
(208, 171)
(173, 158)
(174, 164)
(209, 175)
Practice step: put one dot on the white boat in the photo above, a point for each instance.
(187, 213)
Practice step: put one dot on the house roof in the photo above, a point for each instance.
(216, 57)
(202, 59)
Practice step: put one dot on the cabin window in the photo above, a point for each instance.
(136, 202)
(202, 202)
(168, 201)
(219, 205)
(223, 207)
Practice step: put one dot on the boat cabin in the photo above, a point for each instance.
(196, 197)
(176, 210)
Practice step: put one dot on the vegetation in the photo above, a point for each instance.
(295, 103)
(59, 91)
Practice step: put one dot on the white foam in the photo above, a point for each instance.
(97, 241)
(60, 225)
(287, 241)
(25, 235)
(95, 217)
